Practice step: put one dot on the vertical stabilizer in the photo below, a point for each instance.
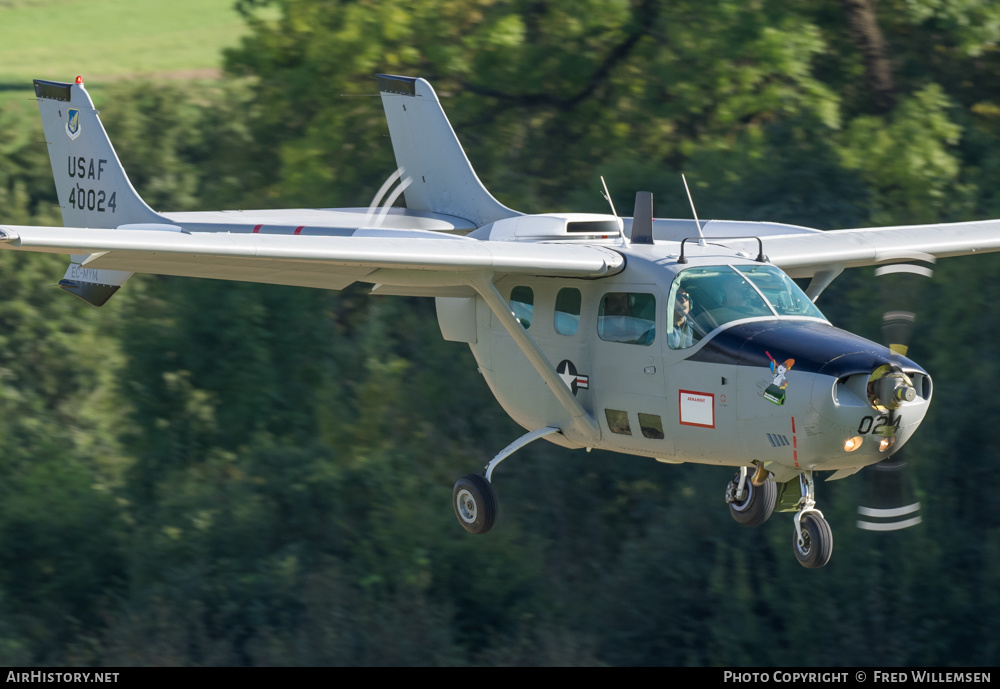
(93, 189)
(443, 180)
(91, 184)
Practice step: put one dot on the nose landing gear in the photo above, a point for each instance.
(813, 538)
(751, 502)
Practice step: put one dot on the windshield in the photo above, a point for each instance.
(702, 299)
(780, 291)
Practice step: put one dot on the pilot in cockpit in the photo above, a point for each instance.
(681, 333)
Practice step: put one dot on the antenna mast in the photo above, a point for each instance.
(606, 194)
(701, 235)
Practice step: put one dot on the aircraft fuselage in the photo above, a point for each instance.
(788, 391)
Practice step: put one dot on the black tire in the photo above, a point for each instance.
(817, 546)
(757, 506)
(475, 503)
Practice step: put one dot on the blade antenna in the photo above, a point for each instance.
(701, 235)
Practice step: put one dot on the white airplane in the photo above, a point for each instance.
(676, 340)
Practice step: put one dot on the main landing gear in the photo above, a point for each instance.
(752, 500)
(473, 497)
(475, 503)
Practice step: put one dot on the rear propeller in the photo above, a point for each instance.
(890, 503)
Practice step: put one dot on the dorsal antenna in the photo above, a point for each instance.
(607, 195)
(701, 235)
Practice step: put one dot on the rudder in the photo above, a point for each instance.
(428, 151)
(92, 186)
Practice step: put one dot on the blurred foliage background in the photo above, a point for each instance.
(205, 473)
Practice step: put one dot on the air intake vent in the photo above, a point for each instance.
(777, 440)
(593, 227)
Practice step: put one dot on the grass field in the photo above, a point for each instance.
(106, 40)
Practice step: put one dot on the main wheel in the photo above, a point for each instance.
(817, 541)
(756, 506)
(475, 503)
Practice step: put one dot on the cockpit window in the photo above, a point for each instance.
(780, 291)
(702, 299)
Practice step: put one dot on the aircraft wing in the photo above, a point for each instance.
(803, 255)
(404, 265)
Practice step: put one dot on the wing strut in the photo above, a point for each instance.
(822, 279)
(583, 423)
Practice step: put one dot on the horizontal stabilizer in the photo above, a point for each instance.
(92, 285)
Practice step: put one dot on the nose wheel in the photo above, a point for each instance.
(813, 538)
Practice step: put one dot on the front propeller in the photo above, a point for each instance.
(891, 504)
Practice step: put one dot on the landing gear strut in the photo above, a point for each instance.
(475, 502)
(813, 539)
(752, 500)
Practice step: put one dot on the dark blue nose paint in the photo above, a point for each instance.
(816, 347)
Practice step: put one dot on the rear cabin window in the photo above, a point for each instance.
(627, 317)
(522, 303)
(651, 426)
(618, 421)
(567, 317)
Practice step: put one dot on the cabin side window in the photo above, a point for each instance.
(618, 421)
(651, 426)
(567, 316)
(522, 303)
(627, 317)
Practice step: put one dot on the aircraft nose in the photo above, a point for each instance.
(874, 412)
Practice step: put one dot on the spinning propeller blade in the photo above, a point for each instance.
(891, 504)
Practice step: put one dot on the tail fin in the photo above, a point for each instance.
(93, 189)
(430, 154)
(91, 184)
